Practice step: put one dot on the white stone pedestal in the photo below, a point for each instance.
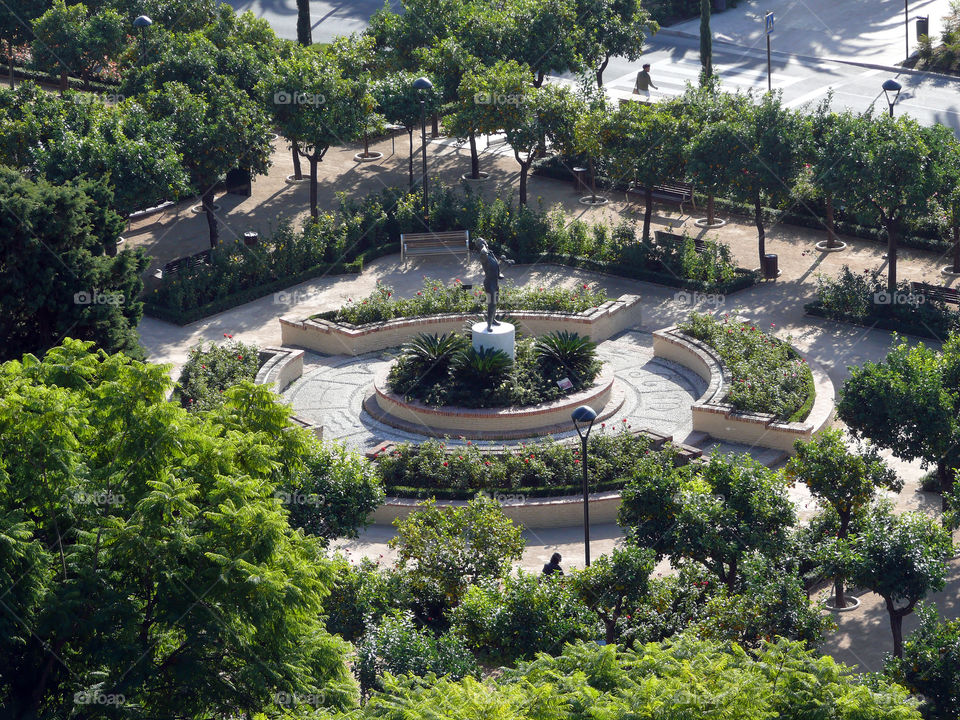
(499, 337)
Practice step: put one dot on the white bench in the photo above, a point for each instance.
(455, 241)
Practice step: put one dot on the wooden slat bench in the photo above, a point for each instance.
(663, 237)
(673, 192)
(175, 266)
(937, 292)
(440, 243)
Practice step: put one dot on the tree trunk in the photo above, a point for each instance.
(647, 213)
(524, 171)
(603, 66)
(366, 143)
(831, 235)
(731, 579)
(956, 248)
(435, 126)
(314, 161)
(896, 626)
(761, 237)
(64, 82)
(891, 226)
(410, 133)
(297, 171)
(839, 598)
(474, 158)
(304, 29)
(13, 74)
(706, 39)
(206, 200)
(538, 81)
(593, 181)
(710, 210)
(946, 483)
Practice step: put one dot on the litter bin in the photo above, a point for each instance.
(923, 26)
(251, 238)
(580, 180)
(771, 266)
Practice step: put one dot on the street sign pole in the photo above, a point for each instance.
(906, 28)
(768, 24)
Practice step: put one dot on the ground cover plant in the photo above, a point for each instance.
(212, 369)
(768, 375)
(447, 370)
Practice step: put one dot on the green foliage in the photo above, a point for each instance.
(615, 585)
(930, 665)
(566, 354)
(546, 466)
(70, 40)
(212, 369)
(527, 615)
(395, 645)
(768, 375)
(127, 513)
(55, 280)
(431, 355)
(447, 549)
(363, 594)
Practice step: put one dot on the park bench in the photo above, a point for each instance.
(937, 292)
(438, 243)
(191, 261)
(671, 192)
(662, 237)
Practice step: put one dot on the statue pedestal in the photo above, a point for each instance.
(499, 337)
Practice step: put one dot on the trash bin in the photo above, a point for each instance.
(580, 180)
(771, 266)
(239, 182)
(251, 238)
(923, 26)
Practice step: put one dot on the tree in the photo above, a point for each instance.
(304, 26)
(54, 277)
(471, 115)
(68, 39)
(315, 106)
(162, 576)
(945, 152)
(930, 665)
(541, 34)
(612, 28)
(16, 24)
(706, 40)
(889, 172)
(715, 513)
(902, 558)
(180, 16)
(644, 146)
(446, 549)
(844, 480)
(399, 102)
(830, 144)
(910, 404)
(614, 585)
(216, 131)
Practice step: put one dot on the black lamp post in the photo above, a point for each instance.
(583, 418)
(891, 86)
(422, 83)
(142, 23)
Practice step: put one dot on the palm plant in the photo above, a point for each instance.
(426, 359)
(484, 368)
(566, 354)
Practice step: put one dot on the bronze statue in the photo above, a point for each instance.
(491, 279)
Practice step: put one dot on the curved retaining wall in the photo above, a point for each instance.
(279, 367)
(721, 420)
(330, 338)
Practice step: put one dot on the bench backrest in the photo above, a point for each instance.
(455, 235)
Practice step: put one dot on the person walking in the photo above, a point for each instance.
(553, 566)
(644, 83)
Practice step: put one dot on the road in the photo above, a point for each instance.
(329, 19)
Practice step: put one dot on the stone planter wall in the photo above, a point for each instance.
(722, 421)
(330, 338)
(279, 367)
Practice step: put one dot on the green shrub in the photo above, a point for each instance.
(482, 369)
(565, 354)
(767, 374)
(396, 646)
(362, 595)
(528, 614)
(211, 369)
(425, 360)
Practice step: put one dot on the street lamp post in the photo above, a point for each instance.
(906, 28)
(891, 86)
(583, 418)
(142, 23)
(423, 84)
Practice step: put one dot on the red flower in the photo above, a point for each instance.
(486, 462)
(584, 286)
(239, 357)
(444, 463)
(204, 367)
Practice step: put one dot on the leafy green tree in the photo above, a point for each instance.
(362, 594)
(403, 37)
(216, 131)
(16, 24)
(902, 558)
(399, 102)
(830, 144)
(846, 481)
(611, 28)
(55, 280)
(716, 513)
(910, 404)
(161, 572)
(541, 34)
(447, 549)
(69, 39)
(930, 665)
(644, 146)
(586, 141)
(615, 584)
(181, 16)
(471, 115)
(315, 106)
(945, 153)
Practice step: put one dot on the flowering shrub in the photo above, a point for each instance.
(768, 375)
(212, 369)
(435, 298)
(614, 455)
